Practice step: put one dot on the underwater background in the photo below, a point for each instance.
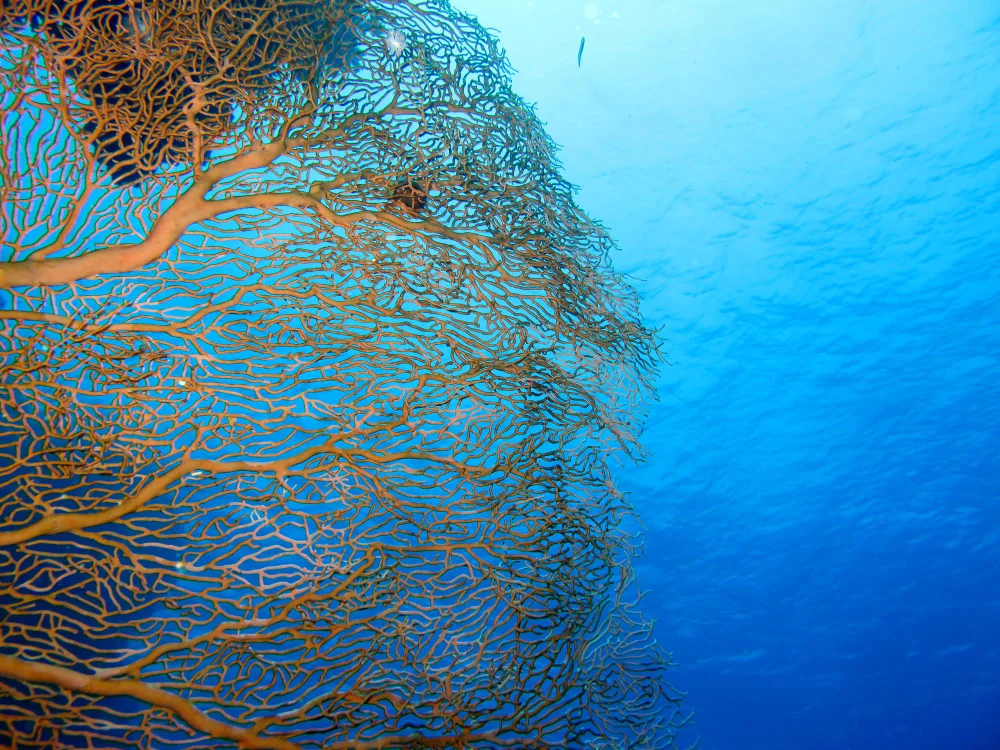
(807, 195)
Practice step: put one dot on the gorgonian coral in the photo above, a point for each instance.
(312, 373)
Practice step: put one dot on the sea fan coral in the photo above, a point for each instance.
(305, 439)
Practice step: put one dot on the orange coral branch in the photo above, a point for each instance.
(340, 471)
(19, 669)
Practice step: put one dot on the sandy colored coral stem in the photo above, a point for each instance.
(111, 260)
(27, 671)
(188, 209)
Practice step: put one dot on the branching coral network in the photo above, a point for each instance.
(312, 371)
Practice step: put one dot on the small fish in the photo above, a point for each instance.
(579, 55)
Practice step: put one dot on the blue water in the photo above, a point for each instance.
(808, 195)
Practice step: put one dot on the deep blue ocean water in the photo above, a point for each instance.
(808, 197)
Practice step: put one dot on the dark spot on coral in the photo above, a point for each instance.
(410, 195)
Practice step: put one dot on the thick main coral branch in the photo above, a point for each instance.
(59, 523)
(190, 208)
(67, 679)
